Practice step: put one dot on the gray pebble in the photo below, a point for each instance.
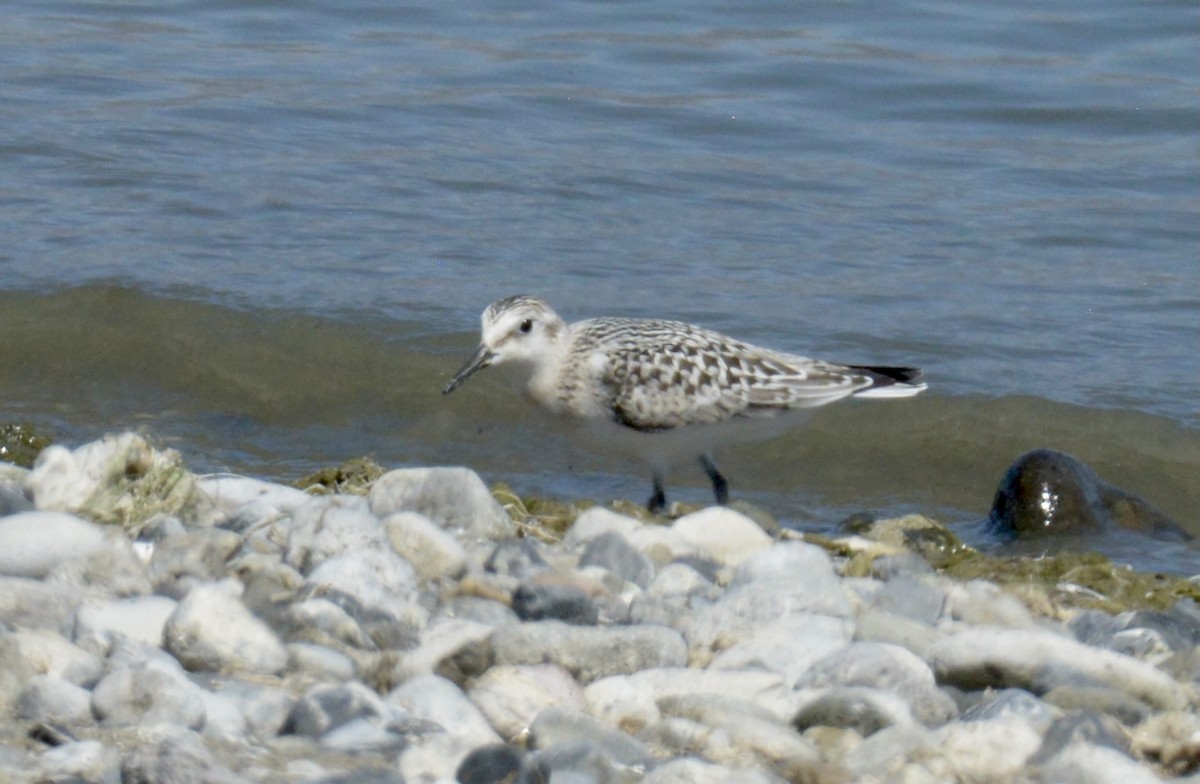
(613, 552)
(589, 653)
(536, 601)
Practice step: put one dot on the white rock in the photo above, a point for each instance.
(320, 661)
(660, 543)
(1040, 660)
(596, 521)
(212, 630)
(442, 639)
(752, 732)
(86, 760)
(32, 543)
(512, 696)
(996, 748)
(99, 479)
(677, 579)
(26, 653)
(689, 770)
(788, 647)
(437, 755)
(148, 696)
(630, 701)
(790, 578)
(889, 668)
(376, 578)
(982, 603)
(329, 526)
(885, 753)
(454, 498)
(226, 494)
(33, 604)
(48, 698)
(141, 618)
(1084, 763)
(223, 718)
(589, 652)
(721, 533)
(433, 552)
(264, 707)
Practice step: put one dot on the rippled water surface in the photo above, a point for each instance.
(265, 231)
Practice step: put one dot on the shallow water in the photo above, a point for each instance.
(285, 220)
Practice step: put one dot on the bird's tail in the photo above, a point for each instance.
(891, 381)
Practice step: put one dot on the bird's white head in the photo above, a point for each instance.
(518, 329)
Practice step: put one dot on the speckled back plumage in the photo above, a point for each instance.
(654, 374)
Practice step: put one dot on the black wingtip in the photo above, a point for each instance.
(886, 374)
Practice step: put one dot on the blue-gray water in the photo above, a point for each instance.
(265, 231)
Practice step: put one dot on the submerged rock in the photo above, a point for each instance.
(1049, 492)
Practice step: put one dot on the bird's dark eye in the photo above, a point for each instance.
(526, 326)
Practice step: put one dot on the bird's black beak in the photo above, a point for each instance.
(483, 357)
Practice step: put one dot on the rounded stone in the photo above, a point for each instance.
(536, 601)
(33, 543)
(211, 630)
(1049, 492)
(148, 696)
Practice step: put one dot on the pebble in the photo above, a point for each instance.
(212, 630)
(32, 543)
(589, 653)
(1034, 660)
(260, 634)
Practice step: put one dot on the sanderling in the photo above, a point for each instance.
(662, 390)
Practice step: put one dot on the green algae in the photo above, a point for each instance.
(1063, 581)
(21, 444)
(353, 477)
(545, 519)
(1082, 580)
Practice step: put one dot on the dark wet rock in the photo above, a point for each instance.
(538, 601)
(494, 764)
(613, 552)
(1048, 492)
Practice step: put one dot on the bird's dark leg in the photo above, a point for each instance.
(658, 501)
(720, 486)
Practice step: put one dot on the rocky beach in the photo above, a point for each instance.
(415, 625)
